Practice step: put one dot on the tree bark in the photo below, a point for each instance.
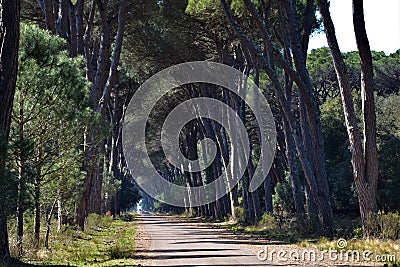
(364, 161)
(293, 171)
(48, 222)
(36, 223)
(37, 187)
(72, 29)
(80, 6)
(62, 19)
(112, 74)
(49, 15)
(21, 162)
(367, 188)
(59, 213)
(9, 40)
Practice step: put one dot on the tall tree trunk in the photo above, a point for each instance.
(293, 171)
(312, 212)
(21, 161)
(48, 222)
(20, 208)
(367, 188)
(72, 29)
(257, 111)
(112, 73)
(37, 187)
(95, 203)
(60, 217)
(216, 165)
(102, 65)
(364, 161)
(62, 19)
(309, 112)
(49, 15)
(9, 40)
(311, 161)
(80, 6)
(268, 196)
(36, 222)
(83, 206)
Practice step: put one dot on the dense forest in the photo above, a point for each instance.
(69, 69)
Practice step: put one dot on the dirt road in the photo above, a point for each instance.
(178, 243)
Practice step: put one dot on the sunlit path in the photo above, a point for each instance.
(183, 244)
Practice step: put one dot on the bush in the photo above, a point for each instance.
(240, 214)
(268, 222)
(385, 226)
(283, 199)
(95, 221)
(358, 232)
(106, 221)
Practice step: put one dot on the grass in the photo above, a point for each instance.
(105, 242)
(277, 234)
(383, 249)
(387, 250)
(270, 228)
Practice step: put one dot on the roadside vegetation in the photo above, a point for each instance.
(105, 242)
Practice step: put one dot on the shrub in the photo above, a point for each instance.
(268, 222)
(240, 214)
(106, 221)
(358, 232)
(283, 199)
(385, 226)
(93, 221)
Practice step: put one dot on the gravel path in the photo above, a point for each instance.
(183, 244)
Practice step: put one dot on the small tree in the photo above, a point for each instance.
(50, 114)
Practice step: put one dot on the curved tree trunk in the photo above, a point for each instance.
(364, 157)
(366, 188)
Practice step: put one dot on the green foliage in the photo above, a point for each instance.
(95, 221)
(323, 75)
(283, 199)
(338, 156)
(384, 225)
(129, 194)
(388, 125)
(268, 222)
(209, 7)
(240, 215)
(50, 114)
(110, 186)
(358, 232)
(110, 243)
